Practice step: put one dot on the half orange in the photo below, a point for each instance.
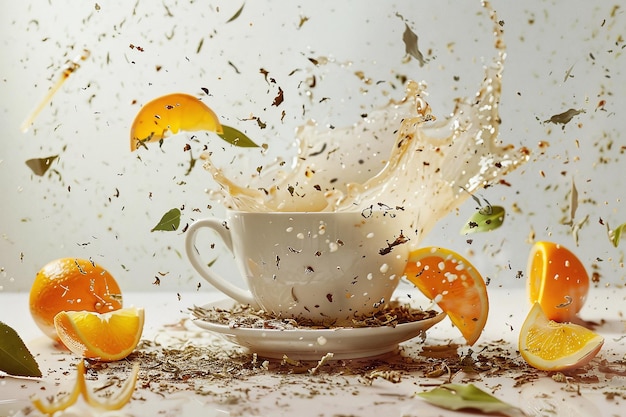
(454, 284)
(557, 280)
(170, 114)
(105, 337)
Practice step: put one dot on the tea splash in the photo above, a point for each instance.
(432, 168)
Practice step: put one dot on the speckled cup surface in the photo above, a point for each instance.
(315, 265)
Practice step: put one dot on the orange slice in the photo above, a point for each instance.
(557, 280)
(170, 114)
(551, 346)
(105, 337)
(115, 402)
(454, 284)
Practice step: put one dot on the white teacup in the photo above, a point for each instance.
(316, 265)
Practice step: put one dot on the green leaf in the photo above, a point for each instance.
(616, 234)
(459, 397)
(15, 358)
(237, 138)
(169, 222)
(485, 219)
(40, 166)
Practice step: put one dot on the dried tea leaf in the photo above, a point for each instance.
(40, 166)
(615, 235)
(565, 117)
(237, 138)
(15, 358)
(237, 14)
(460, 397)
(410, 45)
(485, 219)
(169, 222)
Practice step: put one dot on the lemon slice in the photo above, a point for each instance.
(551, 346)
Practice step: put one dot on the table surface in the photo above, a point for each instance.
(232, 382)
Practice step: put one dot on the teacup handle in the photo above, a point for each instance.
(215, 279)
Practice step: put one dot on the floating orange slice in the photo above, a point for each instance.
(551, 346)
(105, 337)
(454, 284)
(557, 280)
(170, 114)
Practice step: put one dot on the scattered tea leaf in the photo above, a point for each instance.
(410, 45)
(237, 14)
(459, 397)
(565, 117)
(169, 222)
(40, 166)
(615, 235)
(15, 358)
(487, 218)
(237, 138)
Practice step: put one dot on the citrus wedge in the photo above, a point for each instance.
(106, 337)
(454, 284)
(170, 114)
(551, 346)
(557, 280)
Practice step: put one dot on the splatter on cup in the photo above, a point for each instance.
(315, 265)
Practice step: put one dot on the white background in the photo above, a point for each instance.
(100, 201)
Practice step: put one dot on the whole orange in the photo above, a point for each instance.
(71, 284)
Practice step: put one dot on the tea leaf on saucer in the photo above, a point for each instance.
(236, 137)
(487, 218)
(15, 358)
(460, 397)
(169, 222)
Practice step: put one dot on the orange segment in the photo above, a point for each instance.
(454, 284)
(71, 284)
(170, 114)
(557, 280)
(106, 337)
(551, 346)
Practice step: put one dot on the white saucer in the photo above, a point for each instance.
(312, 344)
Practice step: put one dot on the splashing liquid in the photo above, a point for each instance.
(431, 169)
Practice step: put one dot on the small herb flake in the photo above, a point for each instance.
(237, 14)
(169, 222)
(40, 166)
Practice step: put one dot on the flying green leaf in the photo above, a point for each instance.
(237, 14)
(169, 222)
(616, 234)
(485, 219)
(15, 358)
(237, 138)
(40, 166)
(460, 397)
